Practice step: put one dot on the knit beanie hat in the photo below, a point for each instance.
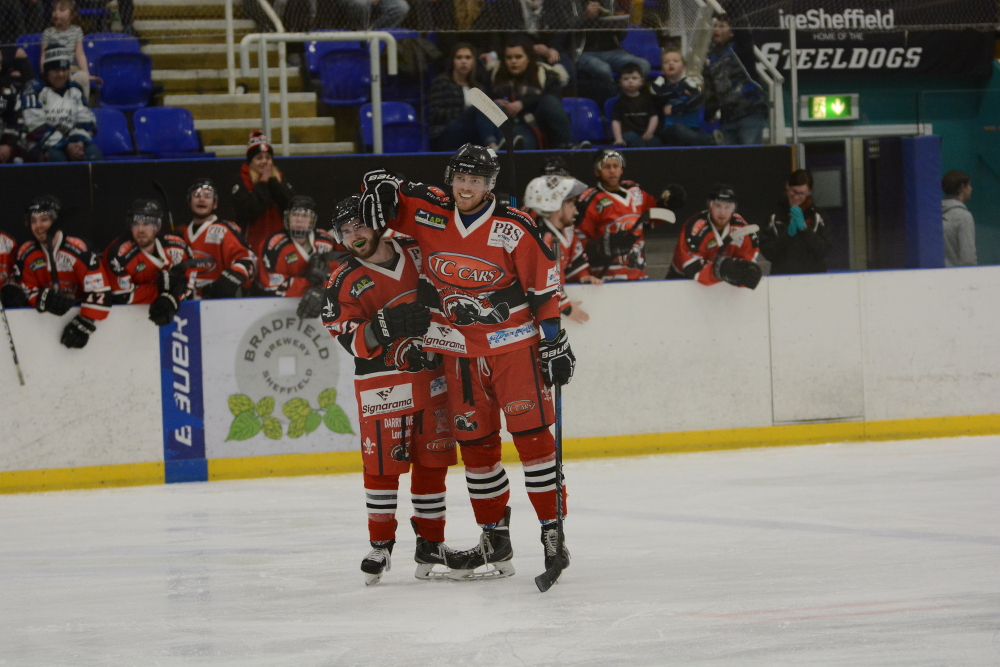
(57, 58)
(258, 143)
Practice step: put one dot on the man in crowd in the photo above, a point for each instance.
(959, 228)
(58, 270)
(372, 309)
(601, 53)
(146, 267)
(492, 286)
(233, 264)
(717, 245)
(730, 88)
(797, 239)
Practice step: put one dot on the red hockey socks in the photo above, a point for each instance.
(486, 478)
(427, 488)
(537, 451)
(380, 496)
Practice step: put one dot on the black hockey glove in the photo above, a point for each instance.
(318, 271)
(673, 197)
(77, 332)
(619, 243)
(172, 281)
(54, 301)
(737, 271)
(225, 287)
(12, 296)
(163, 309)
(407, 320)
(380, 199)
(311, 303)
(558, 361)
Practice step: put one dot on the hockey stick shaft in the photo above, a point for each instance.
(10, 339)
(498, 117)
(166, 203)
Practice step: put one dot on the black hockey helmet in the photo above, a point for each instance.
(555, 166)
(722, 192)
(48, 204)
(475, 160)
(203, 184)
(301, 204)
(604, 154)
(145, 210)
(347, 210)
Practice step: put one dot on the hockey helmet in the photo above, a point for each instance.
(605, 154)
(347, 210)
(203, 184)
(475, 160)
(722, 192)
(145, 210)
(546, 194)
(45, 204)
(300, 204)
(555, 166)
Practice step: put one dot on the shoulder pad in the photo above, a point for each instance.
(124, 248)
(173, 240)
(323, 235)
(628, 183)
(78, 245)
(517, 216)
(405, 241)
(231, 226)
(588, 194)
(738, 220)
(26, 248)
(277, 240)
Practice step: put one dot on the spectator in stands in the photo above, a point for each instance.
(452, 122)
(529, 91)
(797, 239)
(59, 125)
(362, 13)
(535, 19)
(65, 33)
(600, 49)
(15, 71)
(260, 193)
(959, 228)
(730, 88)
(716, 245)
(679, 101)
(633, 118)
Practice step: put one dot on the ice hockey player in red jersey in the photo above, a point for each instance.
(11, 294)
(717, 245)
(58, 270)
(233, 264)
(372, 309)
(147, 266)
(553, 200)
(493, 287)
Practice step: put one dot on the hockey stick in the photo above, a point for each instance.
(738, 234)
(166, 203)
(10, 339)
(498, 117)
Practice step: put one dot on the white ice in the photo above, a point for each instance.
(843, 554)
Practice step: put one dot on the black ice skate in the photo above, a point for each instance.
(432, 557)
(377, 561)
(550, 535)
(493, 553)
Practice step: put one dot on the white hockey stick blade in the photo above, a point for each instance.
(739, 233)
(663, 215)
(482, 101)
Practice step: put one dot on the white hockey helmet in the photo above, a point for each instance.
(546, 194)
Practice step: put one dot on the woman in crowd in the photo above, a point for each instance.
(260, 194)
(451, 120)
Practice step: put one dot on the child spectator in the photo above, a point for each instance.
(633, 118)
(65, 33)
(679, 101)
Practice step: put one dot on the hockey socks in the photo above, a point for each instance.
(537, 450)
(486, 479)
(427, 488)
(380, 496)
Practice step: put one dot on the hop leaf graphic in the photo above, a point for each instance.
(297, 428)
(327, 397)
(245, 426)
(265, 406)
(240, 403)
(336, 420)
(272, 428)
(313, 421)
(297, 408)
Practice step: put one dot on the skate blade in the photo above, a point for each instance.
(500, 570)
(372, 579)
(426, 572)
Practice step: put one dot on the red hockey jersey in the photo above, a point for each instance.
(699, 244)
(78, 270)
(487, 285)
(134, 271)
(8, 256)
(602, 212)
(221, 241)
(285, 262)
(573, 264)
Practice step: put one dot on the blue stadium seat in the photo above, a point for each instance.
(586, 119)
(609, 106)
(345, 76)
(642, 42)
(128, 80)
(97, 44)
(167, 132)
(32, 45)
(316, 50)
(401, 131)
(113, 137)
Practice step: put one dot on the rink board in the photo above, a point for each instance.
(243, 388)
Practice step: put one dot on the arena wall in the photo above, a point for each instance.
(662, 367)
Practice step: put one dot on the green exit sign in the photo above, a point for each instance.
(828, 107)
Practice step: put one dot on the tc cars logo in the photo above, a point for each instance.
(463, 271)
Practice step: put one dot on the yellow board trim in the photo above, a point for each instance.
(286, 465)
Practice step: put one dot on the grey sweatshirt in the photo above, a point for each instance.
(959, 234)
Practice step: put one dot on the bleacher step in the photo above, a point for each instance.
(201, 56)
(324, 148)
(222, 106)
(232, 131)
(212, 80)
(190, 26)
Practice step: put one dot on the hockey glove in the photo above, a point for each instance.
(225, 287)
(311, 304)
(163, 309)
(737, 271)
(318, 271)
(407, 320)
(380, 199)
(54, 301)
(77, 332)
(172, 281)
(673, 197)
(12, 296)
(619, 243)
(558, 361)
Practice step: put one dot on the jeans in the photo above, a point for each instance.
(600, 66)
(392, 14)
(552, 121)
(472, 127)
(679, 134)
(91, 153)
(747, 131)
(635, 140)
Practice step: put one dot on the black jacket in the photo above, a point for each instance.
(803, 253)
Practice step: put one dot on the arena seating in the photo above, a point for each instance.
(167, 132)
(113, 136)
(128, 80)
(401, 131)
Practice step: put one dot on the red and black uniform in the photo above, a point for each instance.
(489, 284)
(602, 213)
(402, 395)
(285, 262)
(573, 262)
(78, 270)
(134, 271)
(700, 243)
(8, 255)
(221, 241)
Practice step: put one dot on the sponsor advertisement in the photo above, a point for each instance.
(438, 386)
(444, 337)
(463, 271)
(376, 402)
(518, 407)
(428, 219)
(181, 391)
(512, 335)
(504, 235)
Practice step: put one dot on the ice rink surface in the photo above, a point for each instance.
(844, 554)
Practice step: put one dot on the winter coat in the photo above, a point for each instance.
(551, 80)
(730, 87)
(959, 234)
(803, 253)
(446, 102)
(260, 206)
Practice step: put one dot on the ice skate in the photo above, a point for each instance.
(550, 535)
(377, 561)
(432, 557)
(491, 557)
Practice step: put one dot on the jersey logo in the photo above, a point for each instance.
(215, 234)
(504, 235)
(364, 283)
(463, 422)
(603, 203)
(512, 335)
(441, 445)
(464, 271)
(438, 386)
(140, 267)
(65, 261)
(292, 257)
(444, 338)
(441, 421)
(517, 407)
(552, 277)
(93, 283)
(389, 399)
(428, 219)
(37, 265)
